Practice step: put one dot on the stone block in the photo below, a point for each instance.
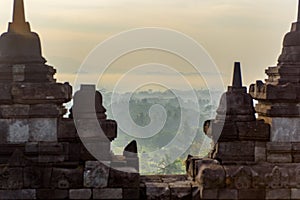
(228, 194)
(209, 193)
(50, 148)
(252, 194)
(67, 178)
(124, 177)
(52, 194)
(5, 91)
(295, 193)
(11, 178)
(96, 174)
(14, 111)
(279, 147)
(108, 193)
(67, 130)
(181, 190)
(18, 194)
(239, 151)
(260, 152)
(18, 130)
(278, 194)
(129, 193)
(158, 191)
(80, 194)
(46, 111)
(256, 130)
(280, 158)
(285, 129)
(42, 93)
(37, 177)
(296, 152)
(211, 176)
(43, 129)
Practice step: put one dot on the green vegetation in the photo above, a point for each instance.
(156, 156)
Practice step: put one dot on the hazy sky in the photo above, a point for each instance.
(230, 30)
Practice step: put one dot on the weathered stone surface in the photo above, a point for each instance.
(5, 90)
(211, 176)
(14, 111)
(278, 194)
(66, 130)
(252, 194)
(18, 194)
(238, 151)
(278, 178)
(125, 177)
(80, 194)
(280, 158)
(43, 129)
(96, 174)
(11, 178)
(18, 130)
(158, 191)
(295, 193)
(37, 177)
(181, 190)
(209, 193)
(107, 193)
(227, 194)
(52, 194)
(43, 93)
(129, 193)
(285, 129)
(260, 152)
(67, 178)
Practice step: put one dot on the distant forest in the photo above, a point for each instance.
(139, 106)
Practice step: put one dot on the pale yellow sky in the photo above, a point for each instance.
(230, 30)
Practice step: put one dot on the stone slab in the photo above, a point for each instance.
(278, 194)
(18, 194)
(228, 194)
(11, 178)
(252, 194)
(29, 130)
(260, 152)
(52, 194)
(236, 151)
(80, 194)
(280, 158)
(108, 193)
(158, 191)
(295, 194)
(285, 130)
(43, 129)
(209, 193)
(129, 193)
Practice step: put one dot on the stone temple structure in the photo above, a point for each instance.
(46, 156)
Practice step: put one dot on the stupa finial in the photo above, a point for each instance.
(237, 76)
(18, 13)
(19, 25)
